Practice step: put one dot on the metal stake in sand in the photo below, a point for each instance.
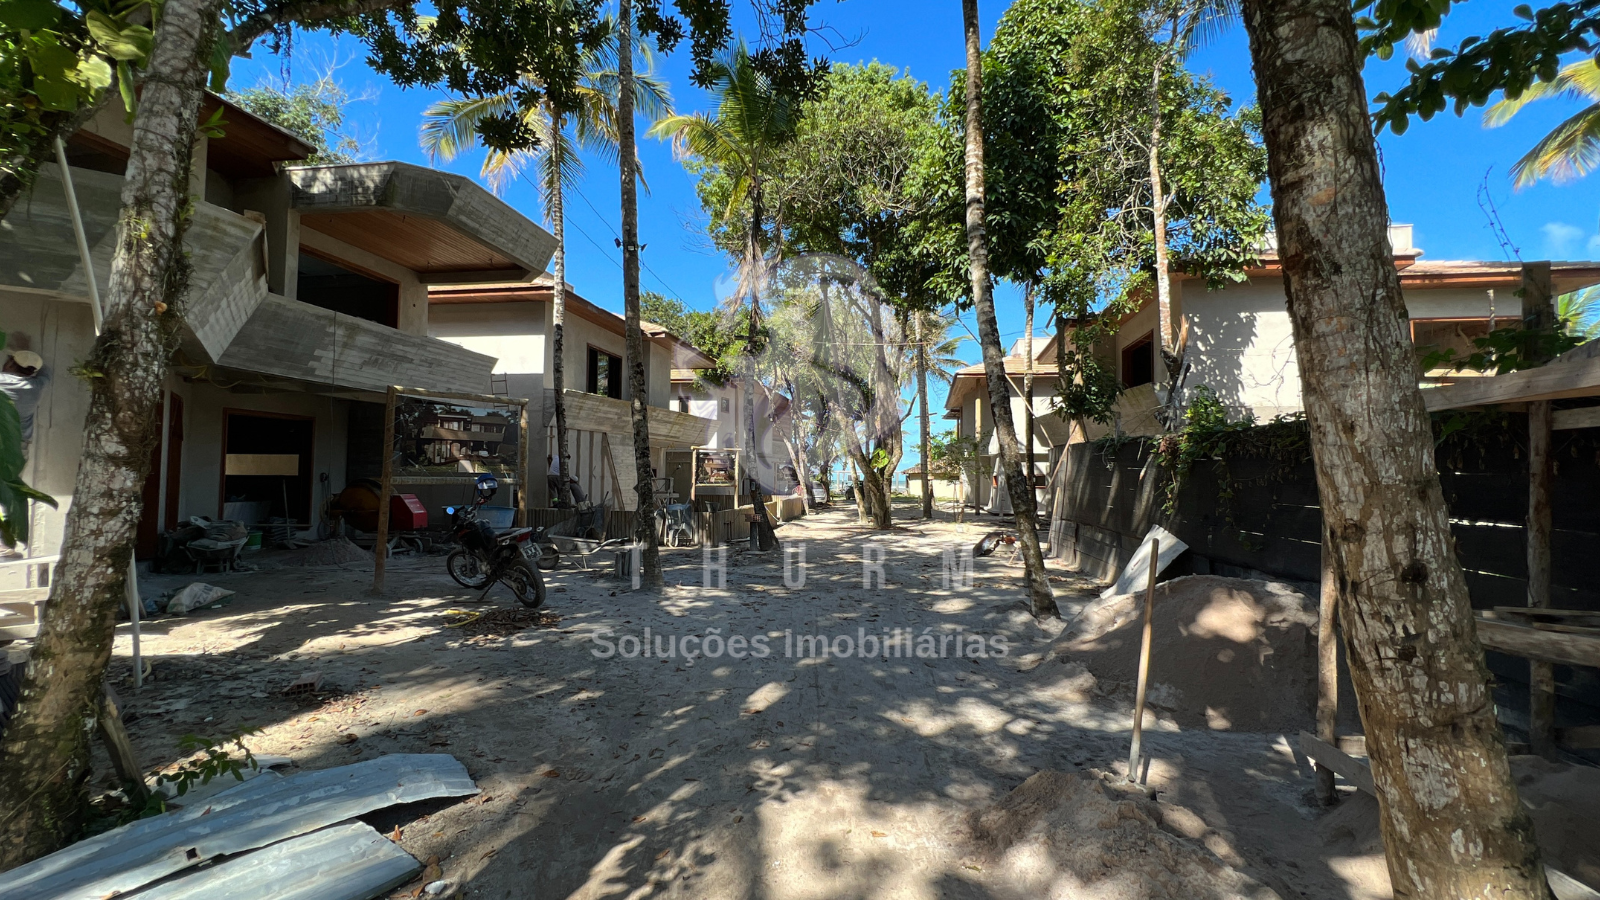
(1135, 751)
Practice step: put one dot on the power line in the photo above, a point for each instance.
(603, 220)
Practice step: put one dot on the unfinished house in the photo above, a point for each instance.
(773, 465)
(967, 405)
(1240, 344)
(308, 298)
(512, 322)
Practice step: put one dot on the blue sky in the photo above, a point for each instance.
(1434, 174)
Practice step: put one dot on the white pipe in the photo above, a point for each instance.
(134, 611)
(78, 232)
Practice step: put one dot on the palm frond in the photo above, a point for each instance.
(450, 127)
(1571, 150)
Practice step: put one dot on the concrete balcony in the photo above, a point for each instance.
(289, 339)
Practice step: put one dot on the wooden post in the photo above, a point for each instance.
(380, 550)
(1137, 750)
(525, 478)
(1327, 668)
(1542, 679)
(118, 747)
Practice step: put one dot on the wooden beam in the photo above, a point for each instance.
(1568, 419)
(480, 276)
(1348, 767)
(1577, 378)
(1532, 643)
(458, 396)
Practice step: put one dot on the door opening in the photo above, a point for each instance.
(266, 468)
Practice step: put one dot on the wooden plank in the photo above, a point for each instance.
(118, 747)
(1549, 646)
(1327, 669)
(380, 549)
(460, 397)
(1541, 674)
(1567, 629)
(1577, 378)
(1568, 419)
(1583, 737)
(1348, 767)
(1521, 612)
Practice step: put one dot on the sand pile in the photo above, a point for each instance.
(1226, 653)
(1563, 800)
(1061, 836)
(336, 551)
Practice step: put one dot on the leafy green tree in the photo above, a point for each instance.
(452, 126)
(312, 110)
(754, 118)
(1510, 61)
(60, 62)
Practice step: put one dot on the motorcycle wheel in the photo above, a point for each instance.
(524, 582)
(549, 557)
(467, 569)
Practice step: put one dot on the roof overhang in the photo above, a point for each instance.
(442, 226)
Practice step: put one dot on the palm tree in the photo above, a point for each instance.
(1041, 599)
(753, 120)
(933, 353)
(1572, 149)
(450, 128)
(1579, 313)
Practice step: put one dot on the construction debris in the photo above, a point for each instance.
(500, 621)
(351, 861)
(255, 814)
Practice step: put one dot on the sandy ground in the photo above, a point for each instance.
(780, 777)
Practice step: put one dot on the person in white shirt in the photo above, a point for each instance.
(23, 379)
(554, 479)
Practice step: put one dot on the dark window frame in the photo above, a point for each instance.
(1139, 354)
(613, 387)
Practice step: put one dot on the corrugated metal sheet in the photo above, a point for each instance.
(346, 862)
(257, 813)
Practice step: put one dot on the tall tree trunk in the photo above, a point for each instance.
(558, 305)
(1166, 341)
(764, 537)
(45, 759)
(924, 446)
(1027, 389)
(1452, 823)
(1040, 595)
(644, 519)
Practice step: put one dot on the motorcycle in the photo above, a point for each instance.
(485, 557)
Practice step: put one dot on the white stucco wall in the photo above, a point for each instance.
(513, 333)
(1241, 343)
(1242, 347)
